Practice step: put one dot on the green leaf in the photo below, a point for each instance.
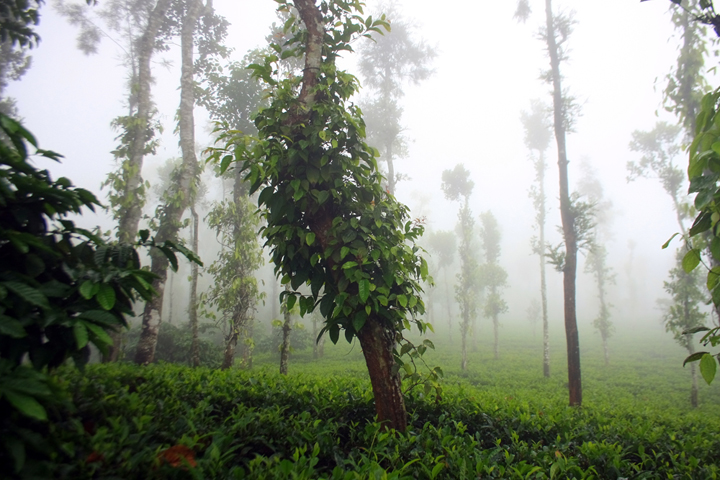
(334, 334)
(708, 367)
(402, 300)
(100, 334)
(344, 251)
(27, 405)
(364, 289)
(694, 357)
(106, 296)
(11, 327)
(666, 244)
(347, 265)
(81, 334)
(27, 293)
(310, 238)
(359, 321)
(86, 289)
(691, 260)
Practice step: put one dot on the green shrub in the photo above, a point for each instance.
(174, 346)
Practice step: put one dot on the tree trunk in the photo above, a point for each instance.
(286, 328)
(568, 226)
(130, 215)
(391, 168)
(231, 340)
(195, 347)
(605, 350)
(543, 280)
(171, 300)
(129, 218)
(693, 372)
(463, 341)
(180, 194)
(448, 304)
(496, 327)
(377, 345)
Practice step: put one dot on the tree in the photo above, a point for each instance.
(385, 64)
(596, 260)
(444, 245)
(456, 184)
(330, 223)
(184, 184)
(234, 291)
(492, 276)
(684, 317)
(537, 139)
(555, 34)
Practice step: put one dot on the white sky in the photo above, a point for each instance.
(486, 74)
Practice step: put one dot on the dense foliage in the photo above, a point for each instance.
(494, 421)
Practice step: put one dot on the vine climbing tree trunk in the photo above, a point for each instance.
(376, 340)
(180, 193)
(568, 220)
(286, 329)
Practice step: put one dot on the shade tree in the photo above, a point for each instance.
(457, 186)
(330, 223)
(491, 276)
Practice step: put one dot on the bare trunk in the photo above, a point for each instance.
(195, 347)
(693, 372)
(391, 169)
(180, 194)
(448, 299)
(543, 280)
(570, 270)
(605, 350)
(171, 300)
(286, 328)
(463, 335)
(496, 327)
(377, 345)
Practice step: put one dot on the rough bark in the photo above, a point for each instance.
(180, 194)
(231, 341)
(448, 304)
(193, 307)
(568, 221)
(377, 345)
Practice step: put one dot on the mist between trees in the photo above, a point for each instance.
(347, 173)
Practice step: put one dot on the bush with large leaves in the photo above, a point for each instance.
(61, 287)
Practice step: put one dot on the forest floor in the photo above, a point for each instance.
(498, 419)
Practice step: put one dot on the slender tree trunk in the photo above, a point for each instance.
(568, 221)
(231, 339)
(448, 305)
(286, 328)
(391, 168)
(377, 345)
(195, 347)
(463, 341)
(605, 349)
(133, 198)
(693, 372)
(181, 192)
(543, 280)
(130, 215)
(171, 300)
(316, 347)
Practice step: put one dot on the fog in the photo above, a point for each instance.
(486, 73)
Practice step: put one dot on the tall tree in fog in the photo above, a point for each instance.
(659, 147)
(538, 133)
(687, 291)
(596, 260)
(234, 290)
(178, 198)
(443, 244)
(457, 186)
(555, 34)
(385, 65)
(492, 277)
